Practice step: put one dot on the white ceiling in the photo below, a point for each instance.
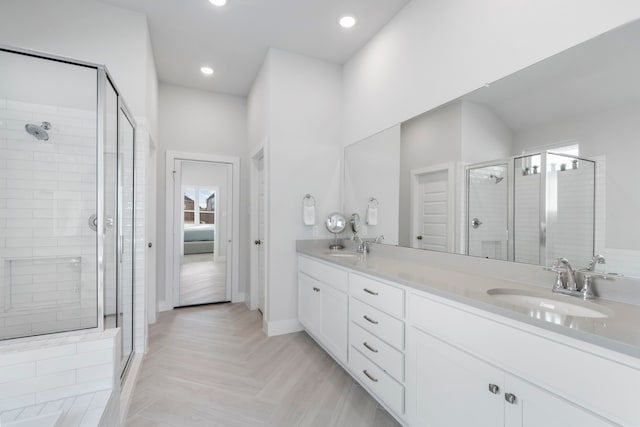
(234, 39)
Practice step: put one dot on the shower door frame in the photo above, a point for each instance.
(101, 74)
(508, 163)
(103, 77)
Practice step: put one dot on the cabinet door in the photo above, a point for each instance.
(309, 303)
(447, 387)
(535, 407)
(334, 321)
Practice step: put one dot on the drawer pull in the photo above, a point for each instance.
(369, 347)
(369, 291)
(316, 289)
(370, 320)
(493, 388)
(511, 398)
(375, 380)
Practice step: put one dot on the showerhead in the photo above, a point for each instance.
(497, 178)
(40, 132)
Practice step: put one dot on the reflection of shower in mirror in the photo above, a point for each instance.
(497, 178)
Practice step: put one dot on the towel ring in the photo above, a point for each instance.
(308, 200)
(373, 203)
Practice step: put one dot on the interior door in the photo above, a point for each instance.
(203, 215)
(433, 216)
(261, 234)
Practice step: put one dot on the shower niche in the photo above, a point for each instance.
(66, 199)
(532, 208)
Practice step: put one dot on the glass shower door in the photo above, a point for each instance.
(126, 233)
(488, 207)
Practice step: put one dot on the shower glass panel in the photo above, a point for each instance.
(126, 231)
(570, 202)
(527, 189)
(110, 241)
(48, 203)
(488, 211)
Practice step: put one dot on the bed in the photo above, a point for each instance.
(198, 239)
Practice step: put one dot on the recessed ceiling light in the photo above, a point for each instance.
(207, 71)
(347, 21)
(218, 2)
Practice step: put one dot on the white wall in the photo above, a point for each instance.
(484, 135)
(202, 122)
(296, 106)
(433, 51)
(372, 169)
(91, 31)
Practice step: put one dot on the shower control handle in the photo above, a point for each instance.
(93, 222)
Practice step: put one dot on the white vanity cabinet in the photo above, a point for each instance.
(376, 338)
(466, 369)
(323, 305)
(447, 386)
(433, 361)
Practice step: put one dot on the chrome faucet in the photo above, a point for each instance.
(597, 259)
(568, 278)
(364, 246)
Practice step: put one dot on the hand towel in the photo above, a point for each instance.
(309, 215)
(372, 215)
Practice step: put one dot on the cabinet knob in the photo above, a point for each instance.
(511, 398)
(493, 388)
(419, 237)
(316, 289)
(257, 242)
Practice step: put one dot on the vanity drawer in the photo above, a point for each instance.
(377, 381)
(376, 350)
(378, 323)
(324, 273)
(380, 295)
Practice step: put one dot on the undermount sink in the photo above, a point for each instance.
(343, 254)
(540, 301)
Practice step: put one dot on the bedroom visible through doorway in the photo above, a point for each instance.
(203, 226)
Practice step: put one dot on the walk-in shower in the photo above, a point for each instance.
(67, 205)
(532, 208)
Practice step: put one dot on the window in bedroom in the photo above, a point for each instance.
(199, 205)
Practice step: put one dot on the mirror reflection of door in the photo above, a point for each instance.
(433, 201)
(205, 221)
(487, 214)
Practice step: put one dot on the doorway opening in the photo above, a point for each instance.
(202, 230)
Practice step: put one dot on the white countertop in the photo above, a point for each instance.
(620, 331)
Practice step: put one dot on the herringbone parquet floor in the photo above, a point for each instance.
(213, 366)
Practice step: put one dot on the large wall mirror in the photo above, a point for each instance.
(541, 164)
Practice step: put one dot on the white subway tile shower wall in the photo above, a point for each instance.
(527, 218)
(46, 370)
(47, 194)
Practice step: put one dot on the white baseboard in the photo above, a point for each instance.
(281, 327)
(238, 298)
(164, 306)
